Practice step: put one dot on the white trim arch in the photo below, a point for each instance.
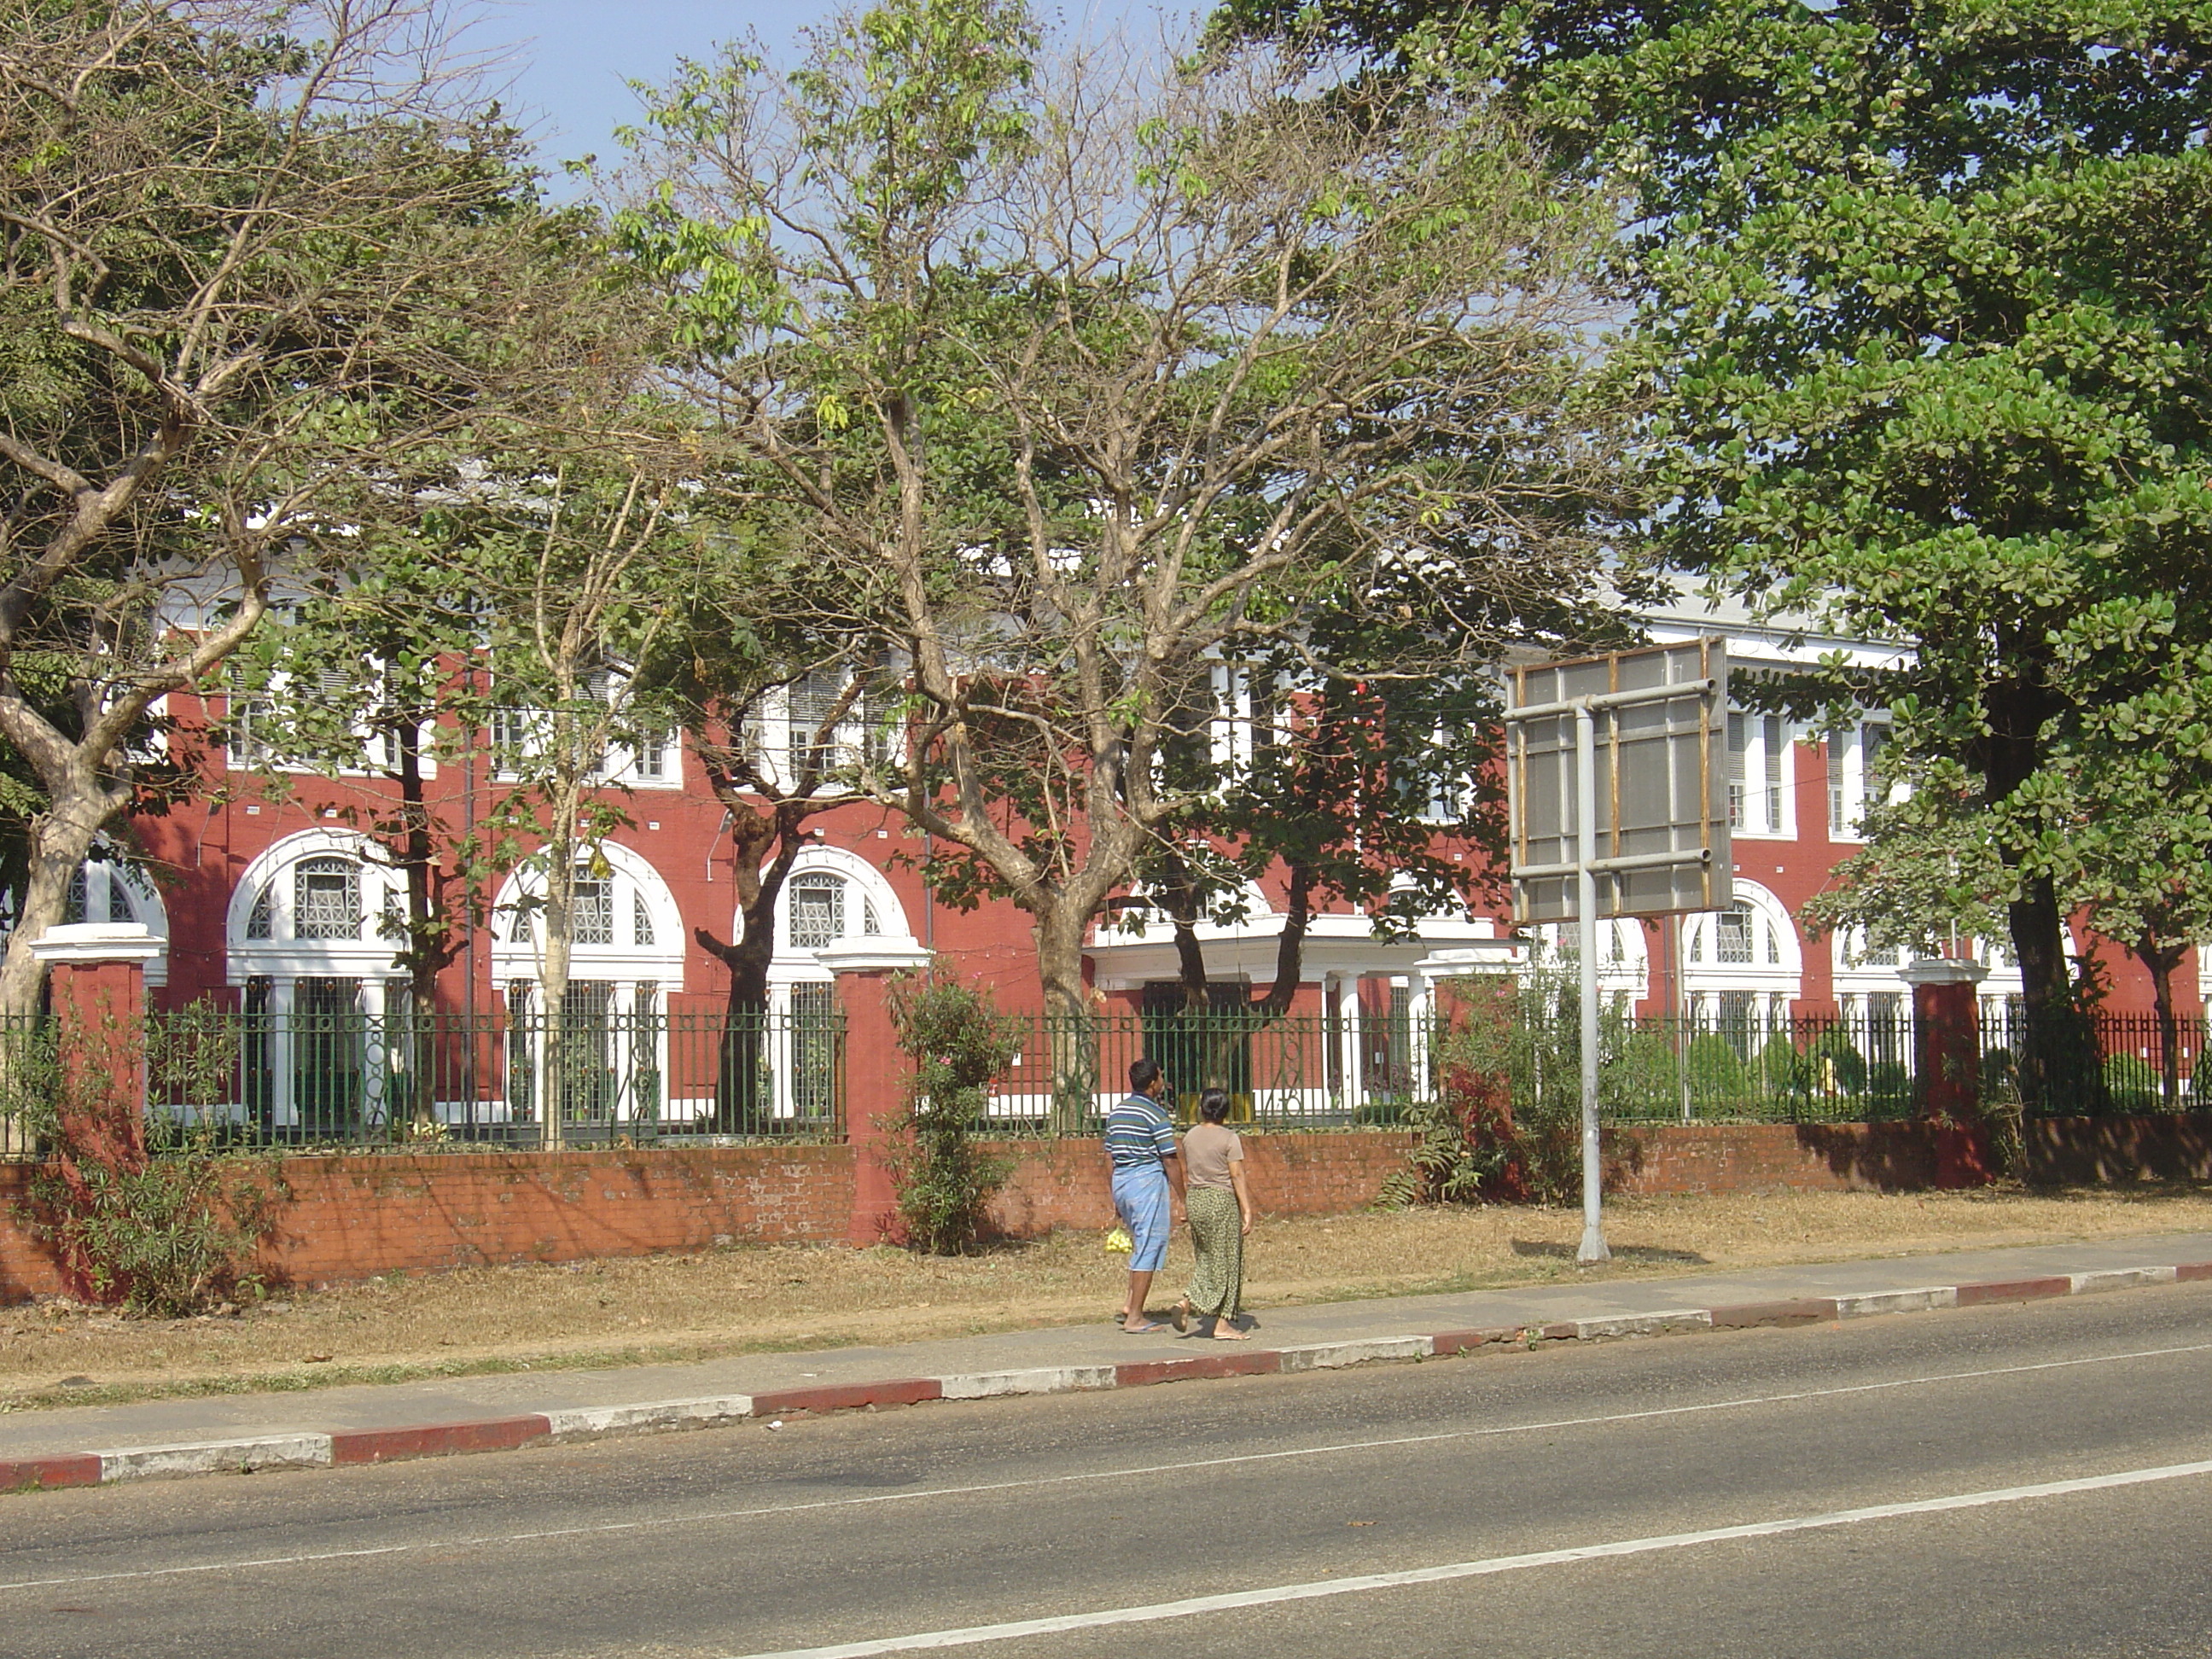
(647, 926)
(878, 900)
(1624, 960)
(111, 886)
(1720, 985)
(282, 953)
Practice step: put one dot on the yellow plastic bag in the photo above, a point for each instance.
(1118, 1243)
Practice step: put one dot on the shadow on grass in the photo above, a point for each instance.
(1620, 1252)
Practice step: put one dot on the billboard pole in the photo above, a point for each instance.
(1592, 1248)
(1661, 805)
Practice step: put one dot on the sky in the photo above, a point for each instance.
(571, 58)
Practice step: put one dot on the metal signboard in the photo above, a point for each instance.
(1642, 735)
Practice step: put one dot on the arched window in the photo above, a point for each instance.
(1733, 932)
(112, 903)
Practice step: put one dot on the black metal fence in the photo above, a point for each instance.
(599, 1075)
(591, 1076)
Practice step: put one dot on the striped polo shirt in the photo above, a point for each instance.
(1138, 1132)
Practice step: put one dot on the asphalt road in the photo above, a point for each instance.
(2028, 1473)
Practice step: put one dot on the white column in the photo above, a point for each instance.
(781, 1103)
(1420, 1009)
(375, 1059)
(1347, 1038)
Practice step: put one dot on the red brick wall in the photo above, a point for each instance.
(1064, 1183)
(350, 1217)
(1719, 1157)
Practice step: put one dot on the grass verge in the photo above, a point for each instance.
(758, 1299)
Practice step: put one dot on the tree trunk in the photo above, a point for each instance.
(1289, 945)
(426, 950)
(59, 840)
(558, 917)
(2161, 963)
(742, 1100)
(2057, 1066)
(1072, 1031)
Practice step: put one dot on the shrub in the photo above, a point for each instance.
(1507, 1122)
(150, 1209)
(1716, 1077)
(959, 1042)
(2132, 1084)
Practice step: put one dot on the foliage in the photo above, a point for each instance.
(257, 255)
(1086, 377)
(1919, 294)
(1506, 1125)
(151, 1209)
(957, 1042)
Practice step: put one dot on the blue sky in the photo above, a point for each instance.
(572, 57)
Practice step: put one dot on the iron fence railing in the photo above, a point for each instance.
(606, 1075)
(592, 1076)
(1301, 1071)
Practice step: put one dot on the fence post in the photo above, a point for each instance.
(96, 975)
(875, 1076)
(1947, 1041)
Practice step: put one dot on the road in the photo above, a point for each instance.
(2029, 1472)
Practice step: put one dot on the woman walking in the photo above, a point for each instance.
(1220, 1206)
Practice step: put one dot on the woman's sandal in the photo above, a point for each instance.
(1181, 1313)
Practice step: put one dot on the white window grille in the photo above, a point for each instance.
(326, 898)
(249, 718)
(592, 912)
(817, 911)
(1732, 934)
(641, 920)
(811, 701)
(261, 921)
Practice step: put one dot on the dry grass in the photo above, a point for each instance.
(756, 1299)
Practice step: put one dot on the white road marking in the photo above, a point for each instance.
(975, 1634)
(485, 1541)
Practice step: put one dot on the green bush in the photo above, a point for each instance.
(1507, 1121)
(959, 1042)
(2132, 1084)
(1716, 1077)
(152, 1210)
(1834, 1066)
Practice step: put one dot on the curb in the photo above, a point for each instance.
(354, 1446)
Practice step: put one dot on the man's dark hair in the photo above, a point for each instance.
(1214, 1105)
(1144, 1072)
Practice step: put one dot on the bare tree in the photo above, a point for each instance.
(249, 254)
(1093, 375)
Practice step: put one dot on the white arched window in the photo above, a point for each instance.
(105, 891)
(625, 927)
(625, 961)
(307, 944)
(1743, 966)
(831, 898)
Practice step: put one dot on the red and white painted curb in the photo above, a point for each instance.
(311, 1450)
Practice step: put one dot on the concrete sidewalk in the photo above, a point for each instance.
(94, 1445)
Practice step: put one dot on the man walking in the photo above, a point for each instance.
(1140, 1145)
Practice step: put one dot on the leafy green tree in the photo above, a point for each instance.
(1087, 378)
(253, 253)
(1920, 299)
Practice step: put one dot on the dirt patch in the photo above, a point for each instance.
(766, 1298)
